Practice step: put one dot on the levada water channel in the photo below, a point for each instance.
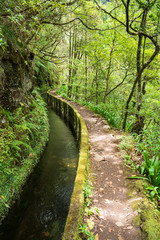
(42, 211)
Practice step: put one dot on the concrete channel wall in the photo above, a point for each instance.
(76, 122)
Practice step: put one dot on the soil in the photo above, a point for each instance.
(115, 217)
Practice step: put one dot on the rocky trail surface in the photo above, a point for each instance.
(115, 218)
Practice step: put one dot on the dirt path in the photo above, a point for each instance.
(115, 220)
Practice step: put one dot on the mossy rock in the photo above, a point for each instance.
(150, 220)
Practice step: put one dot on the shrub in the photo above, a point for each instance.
(23, 136)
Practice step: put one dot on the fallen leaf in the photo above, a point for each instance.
(119, 224)
(101, 189)
(90, 224)
(97, 237)
(128, 228)
(110, 229)
(46, 234)
(120, 237)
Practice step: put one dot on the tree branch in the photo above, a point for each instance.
(79, 19)
(145, 65)
(126, 75)
(109, 13)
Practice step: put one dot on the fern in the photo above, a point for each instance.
(8, 114)
(23, 127)
(33, 128)
(16, 144)
(40, 66)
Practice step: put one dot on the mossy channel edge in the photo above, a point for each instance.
(74, 218)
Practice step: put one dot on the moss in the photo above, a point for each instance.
(74, 217)
(148, 218)
(23, 136)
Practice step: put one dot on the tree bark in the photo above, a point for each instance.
(70, 64)
(86, 67)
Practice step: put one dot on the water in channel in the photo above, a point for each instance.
(46, 200)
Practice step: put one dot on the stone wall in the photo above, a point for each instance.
(16, 77)
(74, 218)
(67, 113)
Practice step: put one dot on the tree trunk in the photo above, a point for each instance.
(128, 101)
(109, 70)
(139, 90)
(139, 124)
(86, 67)
(70, 64)
(96, 87)
(140, 68)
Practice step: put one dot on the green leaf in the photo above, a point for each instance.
(137, 177)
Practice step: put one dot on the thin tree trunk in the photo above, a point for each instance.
(96, 86)
(139, 90)
(109, 70)
(140, 69)
(86, 67)
(128, 101)
(139, 124)
(70, 64)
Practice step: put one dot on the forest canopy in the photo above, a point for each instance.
(106, 52)
(101, 53)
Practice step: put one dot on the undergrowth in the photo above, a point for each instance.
(107, 111)
(146, 184)
(86, 227)
(144, 164)
(23, 135)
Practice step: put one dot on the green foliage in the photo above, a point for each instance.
(62, 91)
(87, 191)
(151, 169)
(87, 235)
(23, 135)
(153, 192)
(90, 64)
(107, 112)
(127, 143)
(3, 42)
(45, 73)
(40, 66)
(149, 140)
(84, 230)
(128, 161)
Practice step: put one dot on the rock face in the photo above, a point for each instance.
(16, 77)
